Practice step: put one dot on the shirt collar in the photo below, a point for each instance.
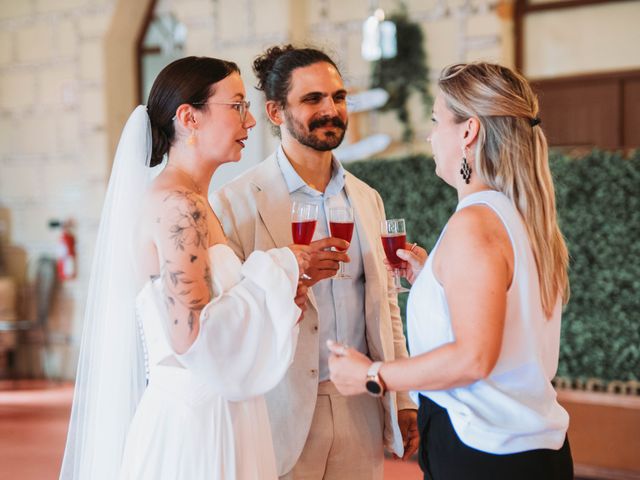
(295, 182)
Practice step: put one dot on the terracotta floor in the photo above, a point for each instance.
(33, 425)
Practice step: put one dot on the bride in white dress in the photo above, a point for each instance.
(180, 339)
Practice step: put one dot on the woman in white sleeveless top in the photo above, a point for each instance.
(484, 310)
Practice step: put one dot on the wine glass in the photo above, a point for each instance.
(303, 222)
(394, 237)
(341, 226)
(304, 217)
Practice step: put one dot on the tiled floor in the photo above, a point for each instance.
(33, 425)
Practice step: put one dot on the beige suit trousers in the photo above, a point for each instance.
(345, 440)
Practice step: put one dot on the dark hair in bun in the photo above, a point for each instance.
(188, 80)
(273, 69)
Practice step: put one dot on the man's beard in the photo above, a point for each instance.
(330, 139)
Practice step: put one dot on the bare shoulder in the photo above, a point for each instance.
(477, 225)
(475, 237)
(178, 216)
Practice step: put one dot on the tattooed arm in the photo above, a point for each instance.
(182, 238)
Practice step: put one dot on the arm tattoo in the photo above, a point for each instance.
(188, 232)
(190, 221)
(178, 286)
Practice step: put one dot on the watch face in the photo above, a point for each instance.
(373, 387)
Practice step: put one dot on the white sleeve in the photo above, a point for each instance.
(248, 332)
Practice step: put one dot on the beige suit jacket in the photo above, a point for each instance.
(255, 212)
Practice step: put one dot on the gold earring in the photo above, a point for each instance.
(191, 141)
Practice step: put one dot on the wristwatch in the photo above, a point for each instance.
(375, 386)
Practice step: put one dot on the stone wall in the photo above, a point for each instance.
(52, 143)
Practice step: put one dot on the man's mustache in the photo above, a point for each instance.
(324, 121)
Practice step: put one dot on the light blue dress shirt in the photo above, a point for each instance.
(340, 302)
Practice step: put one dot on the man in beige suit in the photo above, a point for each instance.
(318, 433)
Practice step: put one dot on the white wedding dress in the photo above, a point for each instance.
(202, 415)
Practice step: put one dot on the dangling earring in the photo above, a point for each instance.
(465, 171)
(191, 141)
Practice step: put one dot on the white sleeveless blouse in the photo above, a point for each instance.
(515, 408)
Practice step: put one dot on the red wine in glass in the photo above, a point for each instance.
(303, 231)
(394, 237)
(341, 226)
(391, 244)
(303, 223)
(343, 230)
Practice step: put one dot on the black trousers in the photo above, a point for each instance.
(443, 456)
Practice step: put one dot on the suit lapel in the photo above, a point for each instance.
(367, 226)
(273, 203)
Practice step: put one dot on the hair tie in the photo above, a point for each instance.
(535, 121)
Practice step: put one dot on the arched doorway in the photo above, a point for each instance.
(122, 77)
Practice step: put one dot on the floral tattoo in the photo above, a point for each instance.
(188, 231)
(190, 227)
(178, 289)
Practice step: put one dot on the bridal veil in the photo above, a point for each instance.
(111, 368)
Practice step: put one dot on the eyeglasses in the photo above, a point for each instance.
(242, 107)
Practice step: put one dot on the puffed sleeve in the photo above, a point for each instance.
(248, 331)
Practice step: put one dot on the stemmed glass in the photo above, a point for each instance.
(304, 217)
(394, 237)
(341, 226)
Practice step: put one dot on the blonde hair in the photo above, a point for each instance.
(511, 156)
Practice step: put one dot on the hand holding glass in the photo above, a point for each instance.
(394, 237)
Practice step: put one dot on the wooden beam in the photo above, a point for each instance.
(518, 27)
(543, 7)
(599, 76)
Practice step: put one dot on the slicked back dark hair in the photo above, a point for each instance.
(273, 69)
(187, 80)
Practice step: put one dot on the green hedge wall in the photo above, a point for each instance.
(598, 199)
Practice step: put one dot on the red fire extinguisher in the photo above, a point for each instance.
(66, 250)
